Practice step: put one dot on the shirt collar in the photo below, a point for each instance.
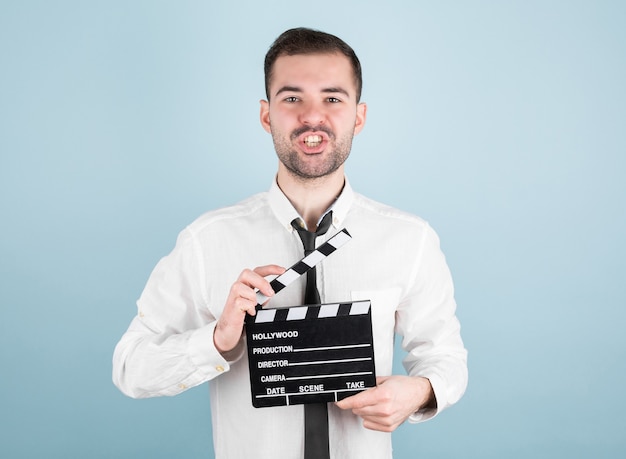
(285, 212)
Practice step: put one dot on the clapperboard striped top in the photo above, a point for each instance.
(318, 312)
(305, 264)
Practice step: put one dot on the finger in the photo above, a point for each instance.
(381, 379)
(373, 424)
(265, 271)
(256, 279)
(363, 399)
(241, 297)
(269, 270)
(245, 305)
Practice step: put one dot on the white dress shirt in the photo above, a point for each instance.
(393, 259)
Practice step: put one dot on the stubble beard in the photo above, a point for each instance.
(302, 169)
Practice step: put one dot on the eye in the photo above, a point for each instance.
(333, 100)
(291, 99)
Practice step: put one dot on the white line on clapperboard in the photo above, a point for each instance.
(347, 346)
(336, 375)
(291, 394)
(319, 362)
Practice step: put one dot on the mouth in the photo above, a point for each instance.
(313, 141)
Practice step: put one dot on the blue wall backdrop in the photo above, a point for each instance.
(502, 123)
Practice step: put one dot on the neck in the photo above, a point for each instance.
(311, 197)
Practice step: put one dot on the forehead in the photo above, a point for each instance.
(314, 72)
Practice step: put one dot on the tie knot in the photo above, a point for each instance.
(308, 237)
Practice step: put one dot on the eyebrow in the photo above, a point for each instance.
(325, 90)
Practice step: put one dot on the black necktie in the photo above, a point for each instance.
(315, 414)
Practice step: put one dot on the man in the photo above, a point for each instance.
(191, 315)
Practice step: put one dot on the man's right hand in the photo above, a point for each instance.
(241, 301)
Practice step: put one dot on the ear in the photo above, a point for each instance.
(361, 114)
(265, 116)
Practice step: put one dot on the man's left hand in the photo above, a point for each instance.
(391, 402)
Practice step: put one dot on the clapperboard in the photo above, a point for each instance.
(313, 353)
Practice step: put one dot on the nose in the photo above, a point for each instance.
(312, 114)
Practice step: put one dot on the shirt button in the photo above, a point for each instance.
(219, 368)
(182, 386)
(336, 221)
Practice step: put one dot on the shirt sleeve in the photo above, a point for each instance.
(168, 346)
(426, 320)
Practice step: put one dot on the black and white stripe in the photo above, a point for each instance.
(305, 264)
(322, 311)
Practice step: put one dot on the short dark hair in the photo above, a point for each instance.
(308, 41)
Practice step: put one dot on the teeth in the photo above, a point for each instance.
(313, 140)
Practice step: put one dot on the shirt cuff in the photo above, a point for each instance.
(428, 413)
(205, 355)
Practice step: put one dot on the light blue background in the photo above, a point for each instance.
(502, 123)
